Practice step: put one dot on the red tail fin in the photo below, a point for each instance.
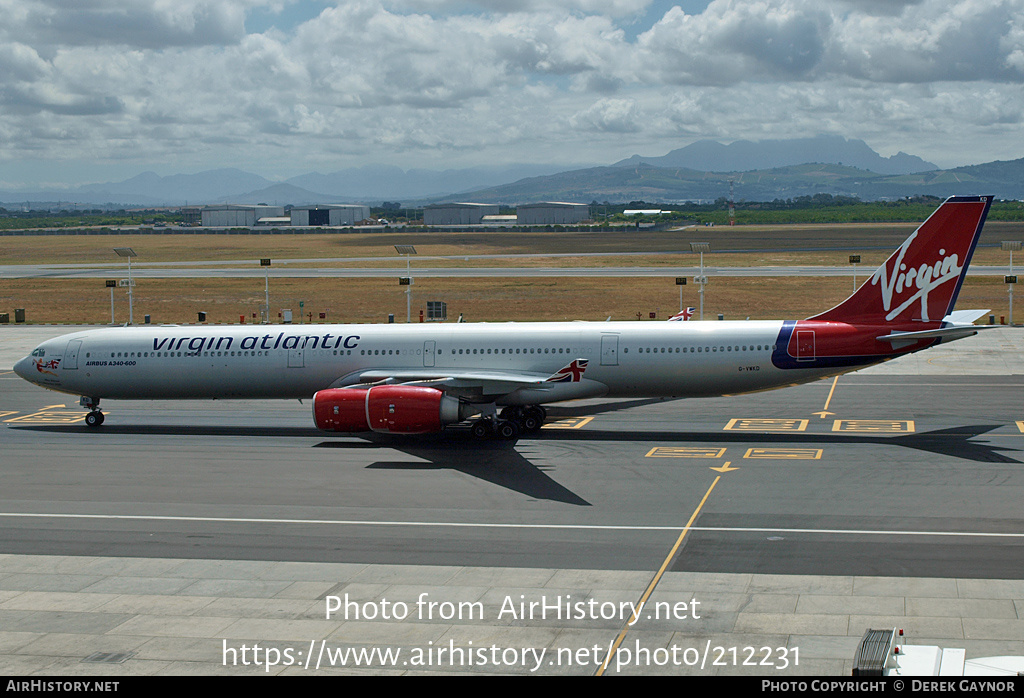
(921, 280)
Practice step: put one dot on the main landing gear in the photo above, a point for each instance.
(95, 417)
(510, 423)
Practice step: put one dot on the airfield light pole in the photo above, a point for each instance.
(129, 253)
(111, 284)
(1011, 246)
(407, 251)
(701, 280)
(265, 263)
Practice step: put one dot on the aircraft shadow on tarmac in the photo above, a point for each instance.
(497, 462)
(500, 463)
(953, 442)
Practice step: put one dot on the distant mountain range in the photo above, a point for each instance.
(672, 185)
(746, 156)
(759, 171)
(373, 183)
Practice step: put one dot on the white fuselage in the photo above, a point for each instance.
(653, 359)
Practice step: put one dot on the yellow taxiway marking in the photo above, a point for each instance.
(829, 398)
(725, 467)
(569, 423)
(657, 577)
(49, 417)
(824, 410)
(1020, 427)
(4, 414)
(874, 426)
(767, 425)
(685, 452)
(785, 453)
(51, 414)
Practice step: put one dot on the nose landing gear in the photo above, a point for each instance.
(95, 417)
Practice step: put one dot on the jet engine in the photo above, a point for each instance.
(395, 409)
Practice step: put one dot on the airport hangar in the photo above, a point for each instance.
(247, 215)
(446, 214)
(552, 213)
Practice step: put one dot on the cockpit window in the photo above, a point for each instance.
(39, 352)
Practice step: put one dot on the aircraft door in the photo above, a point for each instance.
(429, 349)
(71, 354)
(805, 345)
(296, 358)
(609, 350)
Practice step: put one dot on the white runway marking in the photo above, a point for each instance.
(455, 524)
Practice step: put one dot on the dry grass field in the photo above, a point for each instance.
(513, 299)
(55, 300)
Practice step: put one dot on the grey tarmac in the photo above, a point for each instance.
(181, 532)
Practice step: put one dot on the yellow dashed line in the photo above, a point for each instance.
(569, 423)
(767, 425)
(874, 426)
(785, 453)
(685, 452)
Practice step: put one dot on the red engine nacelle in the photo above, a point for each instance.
(395, 409)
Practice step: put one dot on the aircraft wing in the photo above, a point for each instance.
(566, 383)
(427, 374)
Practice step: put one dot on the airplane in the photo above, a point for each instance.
(421, 378)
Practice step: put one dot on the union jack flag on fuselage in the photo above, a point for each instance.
(684, 314)
(573, 373)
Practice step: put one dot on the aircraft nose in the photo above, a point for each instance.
(22, 368)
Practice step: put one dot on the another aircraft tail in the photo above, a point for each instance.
(921, 280)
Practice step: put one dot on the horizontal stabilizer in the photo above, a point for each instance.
(948, 333)
(957, 326)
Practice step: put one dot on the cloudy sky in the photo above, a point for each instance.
(101, 90)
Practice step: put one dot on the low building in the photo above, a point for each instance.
(237, 215)
(552, 213)
(458, 214)
(329, 214)
(191, 215)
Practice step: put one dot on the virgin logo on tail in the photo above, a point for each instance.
(924, 278)
(919, 272)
